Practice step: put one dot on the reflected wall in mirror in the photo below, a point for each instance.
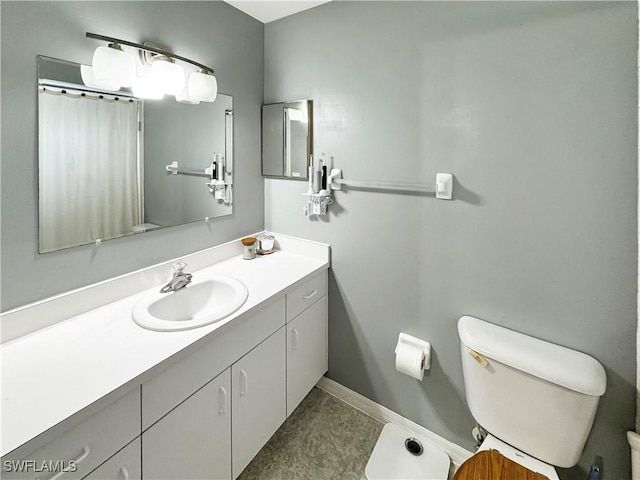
(103, 160)
(287, 136)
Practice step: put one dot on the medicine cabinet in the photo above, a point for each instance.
(287, 139)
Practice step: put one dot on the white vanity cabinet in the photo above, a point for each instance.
(202, 411)
(176, 382)
(193, 441)
(307, 331)
(259, 398)
(188, 435)
(271, 366)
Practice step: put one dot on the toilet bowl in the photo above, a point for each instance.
(400, 454)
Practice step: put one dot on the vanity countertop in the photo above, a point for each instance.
(53, 373)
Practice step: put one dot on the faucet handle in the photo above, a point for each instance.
(178, 267)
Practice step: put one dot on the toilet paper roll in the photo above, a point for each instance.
(410, 360)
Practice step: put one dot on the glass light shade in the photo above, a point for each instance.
(113, 66)
(168, 76)
(90, 81)
(144, 88)
(183, 97)
(202, 87)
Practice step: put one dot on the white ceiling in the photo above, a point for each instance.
(269, 10)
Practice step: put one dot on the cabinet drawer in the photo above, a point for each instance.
(83, 447)
(124, 465)
(172, 386)
(305, 294)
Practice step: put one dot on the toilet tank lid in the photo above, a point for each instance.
(556, 364)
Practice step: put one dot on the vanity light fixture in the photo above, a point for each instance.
(202, 86)
(167, 75)
(89, 79)
(183, 97)
(143, 87)
(113, 65)
(164, 73)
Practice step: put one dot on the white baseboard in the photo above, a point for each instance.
(456, 453)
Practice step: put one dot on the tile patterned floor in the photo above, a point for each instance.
(323, 439)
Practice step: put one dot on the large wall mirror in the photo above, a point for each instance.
(287, 138)
(111, 164)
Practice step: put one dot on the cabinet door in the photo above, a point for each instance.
(258, 398)
(193, 441)
(124, 465)
(306, 352)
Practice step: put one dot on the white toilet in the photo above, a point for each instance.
(537, 400)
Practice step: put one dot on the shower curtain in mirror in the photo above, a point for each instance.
(88, 168)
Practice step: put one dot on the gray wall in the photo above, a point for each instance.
(212, 33)
(532, 106)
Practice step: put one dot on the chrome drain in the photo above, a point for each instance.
(413, 446)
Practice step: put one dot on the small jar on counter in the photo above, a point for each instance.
(265, 244)
(249, 248)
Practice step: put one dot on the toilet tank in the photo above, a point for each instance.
(538, 397)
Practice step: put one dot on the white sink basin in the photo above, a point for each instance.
(198, 304)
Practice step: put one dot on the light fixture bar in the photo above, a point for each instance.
(148, 48)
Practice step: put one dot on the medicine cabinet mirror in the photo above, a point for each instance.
(287, 133)
(103, 159)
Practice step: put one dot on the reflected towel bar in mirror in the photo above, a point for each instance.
(176, 170)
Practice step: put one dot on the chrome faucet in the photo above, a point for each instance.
(179, 280)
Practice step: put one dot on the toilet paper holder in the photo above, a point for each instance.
(423, 345)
